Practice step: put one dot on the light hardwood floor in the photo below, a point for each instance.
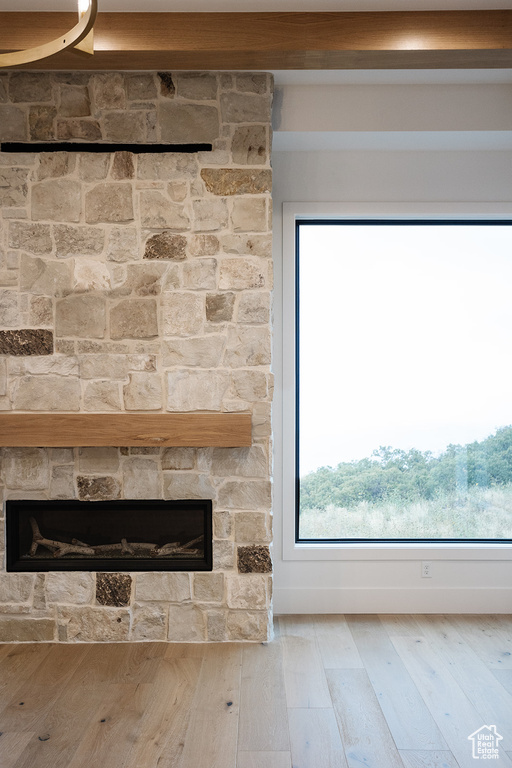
(328, 692)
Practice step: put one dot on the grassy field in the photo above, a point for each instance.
(481, 513)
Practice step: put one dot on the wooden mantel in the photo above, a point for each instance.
(262, 41)
(65, 430)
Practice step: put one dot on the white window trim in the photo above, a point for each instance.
(293, 212)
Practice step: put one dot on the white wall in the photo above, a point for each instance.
(462, 585)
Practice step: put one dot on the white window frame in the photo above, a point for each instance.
(293, 212)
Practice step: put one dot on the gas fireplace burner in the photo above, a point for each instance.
(137, 535)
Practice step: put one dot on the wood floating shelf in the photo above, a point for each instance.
(70, 430)
(273, 40)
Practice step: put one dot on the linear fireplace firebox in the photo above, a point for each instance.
(129, 535)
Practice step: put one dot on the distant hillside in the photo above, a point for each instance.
(394, 475)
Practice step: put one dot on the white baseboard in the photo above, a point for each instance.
(392, 601)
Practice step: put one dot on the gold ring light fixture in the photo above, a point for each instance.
(79, 37)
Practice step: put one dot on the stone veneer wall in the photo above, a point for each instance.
(140, 283)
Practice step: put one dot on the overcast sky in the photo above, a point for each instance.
(406, 338)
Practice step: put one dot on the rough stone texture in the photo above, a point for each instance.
(249, 214)
(56, 200)
(254, 560)
(75, 588)
(35, 238)
(77, 241)
(186, 624)
(209, 587)
(113, 589)
(203, 352)
(166, 246)
(26, 630)
(134, 319)
(141, 479)
(183, 314)
(157, 212)
(96, 624)
(147, 269)
(25, 468)
(247, 591)
(48, 393)
(196, 390)
(235, 181)
(188, 123)
(26, 341)
(81, 315)
(149, 622)
(97, 488)
(169, 587)
(109, 203)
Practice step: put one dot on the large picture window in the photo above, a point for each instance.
(404, 381)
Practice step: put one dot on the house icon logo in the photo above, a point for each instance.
(485, 743)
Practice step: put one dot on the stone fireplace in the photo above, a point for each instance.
(136, 282)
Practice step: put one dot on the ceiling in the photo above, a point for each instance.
(211, 6)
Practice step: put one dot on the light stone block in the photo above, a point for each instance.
(251, 527)
(126, 127)
(16, 587)
(134, 319)
(25, 468)
(246, 494)
(26, 630)
(200, 274)
(209, 215)
(241, 462)
(40, 276)
(209, 587)
(81, 315)
(76, 588)
(30, 87)
(254, 308)
(35, 238)
(186, 624)
(245, 108)
(13, 186)
(251, 83)
(247, 591)
(93, 166)
(249, 145)
(168, 587)
(102, 396)
(149, 622)
(196, 390)
(223, 555)
(188, 123)
(247, 346)
(56, 200)
(248, 245)
(158, 212)
(222, 524)
(143, 392)
(3, 375)
(179, 458)
(142, 279)
(141, 479)
(196, 85)
(108, 90)
(89, 275)
(248, 625)
(249, 214)
(219, 307)
(140, 86)
(123, 245)
(250, 385)
(111, 202)
(9, 308)
(78, 241)
(13, 123)
(201, 352)
(75, 128)
(98, 460)
(241, 274)
(166, 166)
(204, 245)
(62, 484)
(182, 314)
(74, 101)
(55, 164)
(104, 366)
(216, 626)
(261, 420)
(187, 485)
(43, 365)
(96, 624)
(46, 393)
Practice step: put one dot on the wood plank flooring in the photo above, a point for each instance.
(328, 692)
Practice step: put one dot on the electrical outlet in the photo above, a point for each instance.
(426, 569)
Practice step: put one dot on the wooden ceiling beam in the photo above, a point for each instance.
(261, 41)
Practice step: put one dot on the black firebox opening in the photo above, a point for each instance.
(130, 535)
